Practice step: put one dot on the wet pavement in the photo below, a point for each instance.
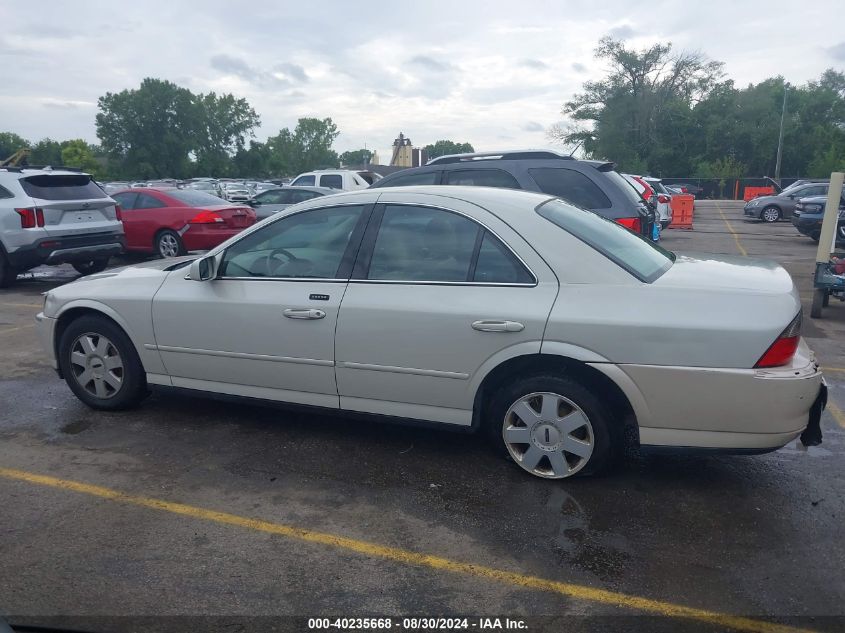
(757, 536)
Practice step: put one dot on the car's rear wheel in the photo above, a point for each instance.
(169, 244)
(770, 214)
(92, 266)
(100, 364)
(8, 274)
(552, 427)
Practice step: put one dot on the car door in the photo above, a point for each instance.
(264, 327)
(140, 223)
(441, 291)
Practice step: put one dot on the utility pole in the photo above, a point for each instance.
(780, 135)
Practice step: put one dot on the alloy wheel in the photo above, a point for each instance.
(168, 245)
(548, 435)
(96, 365)
(770, 214)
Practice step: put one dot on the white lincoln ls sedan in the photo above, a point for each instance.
(555, 331)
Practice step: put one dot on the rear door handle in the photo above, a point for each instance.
(497, 326)
(296, 313)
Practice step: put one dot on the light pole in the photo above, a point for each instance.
(780, 134)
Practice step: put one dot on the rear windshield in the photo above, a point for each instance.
(626, 187)
(639, 256)
(62, 187)
(195, 198)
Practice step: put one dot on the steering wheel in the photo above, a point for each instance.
(268, 266)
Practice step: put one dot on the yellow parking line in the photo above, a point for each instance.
(836, 412)
(15, 329)
(842, 369)
(407, 557)
(731, 229)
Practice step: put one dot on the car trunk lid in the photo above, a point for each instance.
(71, 204)
(234, 217)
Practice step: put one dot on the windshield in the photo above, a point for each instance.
(195, 198)
(641, 257)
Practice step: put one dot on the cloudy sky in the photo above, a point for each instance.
(493, 72)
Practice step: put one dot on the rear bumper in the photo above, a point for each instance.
(727, 409)
(202, 237)
(61, 250)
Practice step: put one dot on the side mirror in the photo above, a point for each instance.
(204, 268)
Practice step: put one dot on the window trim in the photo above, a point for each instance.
(347, 260)
(367, 247)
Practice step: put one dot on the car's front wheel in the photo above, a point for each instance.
(552, 427)
(770, 214)
(100, 364)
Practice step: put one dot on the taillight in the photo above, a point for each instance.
(118, 213)
(783, 349)
(630, 223)
(206, 217)
(30, 218)
(663, 199)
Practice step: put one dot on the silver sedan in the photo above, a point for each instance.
(559, 334)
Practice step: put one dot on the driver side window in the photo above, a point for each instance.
(310, 245)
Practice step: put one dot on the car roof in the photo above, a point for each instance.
(492, 198)
(23, 172)
(305, 188)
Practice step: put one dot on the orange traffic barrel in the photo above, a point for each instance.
(682, 209)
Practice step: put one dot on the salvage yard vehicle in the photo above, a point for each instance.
(274, 200)
(590, 184)
(343, 179)
(808, 215)
(780, 206)
(558, 333)
(56, 216)
(170, 222)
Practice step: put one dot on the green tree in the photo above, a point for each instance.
(11, 143)
(444, 148)
(46, 152)
(222, 126)
(253, 162)
(149, 131)
(308, 147)
(77, 153)
(356, 157)
(639, 115)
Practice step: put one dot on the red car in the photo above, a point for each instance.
(170, 222)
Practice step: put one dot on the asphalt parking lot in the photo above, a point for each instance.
(196, 507)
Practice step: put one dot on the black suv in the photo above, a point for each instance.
(589, 184)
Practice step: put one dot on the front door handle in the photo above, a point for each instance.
(497, 326)
(297, 313)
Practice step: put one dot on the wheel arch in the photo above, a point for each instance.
(76, 309)
(618, 399)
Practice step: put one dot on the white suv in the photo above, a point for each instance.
(54, 217)
(344, 179)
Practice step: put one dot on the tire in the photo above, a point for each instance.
(91, 267)
(167, 243)
(770, 214)
(100, 364)
(547, 450)
(818, 303)
(8, 274)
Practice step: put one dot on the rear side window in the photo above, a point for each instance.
(496, 264)
(62, 187)
(301, 196)
(304, 181)
(639, 256)
(148, 202)
(5, 193)
(192, 198)
(332, 181)
(126, 200)
(407, 180)
(572, 186)
(481, 178)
